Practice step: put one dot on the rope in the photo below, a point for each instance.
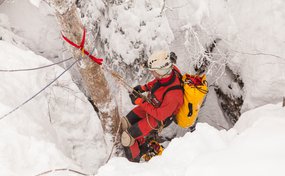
(126, 85)
(16, 108)
(35, 68)
(88, 54)
(198, 87)
(115, 141)
(202, 90)
(64, 169)
(159, 129)
(118, 77)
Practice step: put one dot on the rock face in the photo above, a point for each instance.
(228, 87)
(231, 105)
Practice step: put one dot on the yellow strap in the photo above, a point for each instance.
(82, 52)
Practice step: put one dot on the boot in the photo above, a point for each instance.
(125, 123)
(126, 139)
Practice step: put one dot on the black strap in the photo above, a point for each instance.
(172, 118)
(190, 108)
(179, 75)
(177, 87)
(157, 85)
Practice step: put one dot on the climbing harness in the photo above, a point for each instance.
(160, 126)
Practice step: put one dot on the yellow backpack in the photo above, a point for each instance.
(195, 90)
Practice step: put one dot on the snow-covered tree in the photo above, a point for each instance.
(95, 82)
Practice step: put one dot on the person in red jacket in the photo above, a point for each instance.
(151, 115)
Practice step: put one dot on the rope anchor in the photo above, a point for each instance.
(82, 49)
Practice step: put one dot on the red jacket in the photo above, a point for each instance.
(172, 100)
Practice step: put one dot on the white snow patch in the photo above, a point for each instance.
(35, 2)
(255, 146)
(56, 126)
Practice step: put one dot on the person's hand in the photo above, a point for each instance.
(138, 88)
(135, 98)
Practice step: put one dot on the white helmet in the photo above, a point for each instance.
(160, 62)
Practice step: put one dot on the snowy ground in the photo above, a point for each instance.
(254, 146)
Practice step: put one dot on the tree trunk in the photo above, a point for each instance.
(283, 101)
(92, 74)
(1, 1)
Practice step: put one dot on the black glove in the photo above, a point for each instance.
(135, 98)
(138, 88)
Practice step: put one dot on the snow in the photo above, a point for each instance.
(254, 146)
(4, 20)
(133, 26)
(36, 2)
(252, 41)
(59, 128)
(34, 24)
(20, 151)
(56, 129)
(211, 104)
(261, 30)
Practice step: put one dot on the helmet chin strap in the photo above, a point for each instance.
(166, 74)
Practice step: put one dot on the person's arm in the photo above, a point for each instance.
(169, 105)
(148, 86)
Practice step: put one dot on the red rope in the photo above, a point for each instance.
(81, 47)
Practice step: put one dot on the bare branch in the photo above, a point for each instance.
(163, 7)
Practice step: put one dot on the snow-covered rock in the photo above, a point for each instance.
(54, 127)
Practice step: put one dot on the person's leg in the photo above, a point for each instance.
(132, 117)
(143, 127)
(133, 152)
(136, 115)
(137, 131)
